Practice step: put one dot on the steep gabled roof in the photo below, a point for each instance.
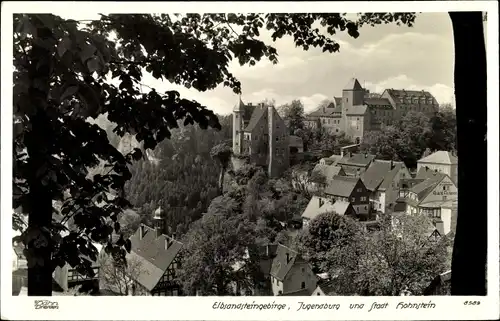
(425, 173)
(399, 95)
(155, 254)
(425, 187)
(256, 116)
(327, 287)
(377, 102)
(338, 101)
(329, 171)
(356, 110)
(280, 266)
(440, 157)
(356, 159)
(341, 186)
(313, 208)
(353, 84)
(380, 173)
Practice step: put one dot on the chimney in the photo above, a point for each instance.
(174, 235)
(166, 243)
(268, 250)
(324, 109)
(321, 202)
(392, 164)
(287, 258)
(366, 155)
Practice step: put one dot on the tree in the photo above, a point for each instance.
(401, 256)
(222, 153)
(213, 246)
(129, 222)
(469, 254)
(324, 233)
(293, 114)
(60, 80)
(119, 278)
(405, 141)
(304, 180)
(443, 134)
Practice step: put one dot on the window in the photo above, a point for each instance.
(363, 198)
(379, 206)
(366, 207)
(353, 199)
(337, 130)
(318, 293)
(303, 285)
(359, 190)
(303, 270)
(277, 138)
(236, 115)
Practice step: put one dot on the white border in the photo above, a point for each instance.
(195, 308)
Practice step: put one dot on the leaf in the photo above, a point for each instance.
(117, 227)
(70, 91)
(93, 64)
(88, 52)
(63, 46)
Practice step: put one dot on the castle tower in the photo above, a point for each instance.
(238, 127)
(159, 221)
(353, 94)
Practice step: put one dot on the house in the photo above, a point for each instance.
(351, 190)
(260, 134)
(324, 288)
(382, 179)
(359, 111)
(329, 171)
(320, 205)
(442, 161)
(434, 196)
(158, 260)
(290, 274)
(67, 276)
(355, 164)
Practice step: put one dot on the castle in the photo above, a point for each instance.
(359, 111)
(260, 134)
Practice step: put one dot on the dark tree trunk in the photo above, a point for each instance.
(39, 221)
(37, 140)
(469, 252)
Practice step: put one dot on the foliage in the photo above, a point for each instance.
(118, 278)
(222, 153)
(321, 138)
(305, 180)
(61, 79)
(398, 257)
(408, 139)
(213, 246)
(293, 114)
(324, 233)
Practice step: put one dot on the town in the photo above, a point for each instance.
(297, 216)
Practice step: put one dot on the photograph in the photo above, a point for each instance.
(247, 154)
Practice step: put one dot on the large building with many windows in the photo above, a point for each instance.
(359, 111)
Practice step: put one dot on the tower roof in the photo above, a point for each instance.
(158, 213)
(239, 105)
(353, 84)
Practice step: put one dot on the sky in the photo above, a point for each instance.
(385, 56)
